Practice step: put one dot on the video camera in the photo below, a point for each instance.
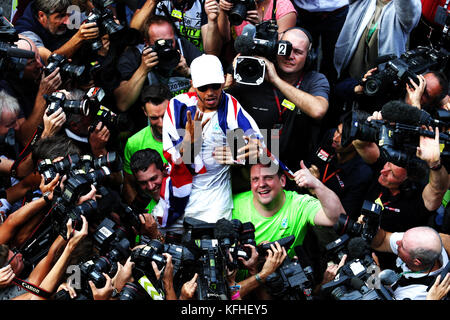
(391, 77)
(291, 281)
(360, 268)
(168, 56)
(104, 18)
(398, 142)
(261, 40)
(12, 59)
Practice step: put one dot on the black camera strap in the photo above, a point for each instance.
(31, 288)
(27, 150)
(22, 283)
(274, 10)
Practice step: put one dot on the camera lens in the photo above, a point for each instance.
(130, 292)
(372, 87)
(237, 14)
(250, 70)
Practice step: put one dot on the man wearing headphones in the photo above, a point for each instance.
(291, 99)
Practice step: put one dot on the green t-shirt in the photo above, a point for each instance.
(141, 140)
(295, 215)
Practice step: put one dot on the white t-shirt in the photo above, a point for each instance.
(211, 197)
(414, 291)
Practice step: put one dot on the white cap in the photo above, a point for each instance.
(206, 69)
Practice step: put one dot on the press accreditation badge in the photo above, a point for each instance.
(177, 14)
(287, 104)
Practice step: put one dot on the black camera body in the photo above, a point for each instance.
(143, 258)
(113, 121)
(238, 13)
(111, 240)
(80, 183)
(63, 211)
(366, 230)
(398, 142)
(291, 281)
(168, 56)
(67, 70)
(211, 282)
(104, 18)
(57, 100)
(49, 169)
(391, 77)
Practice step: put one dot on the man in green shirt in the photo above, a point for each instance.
(277, 213)
(155, 99)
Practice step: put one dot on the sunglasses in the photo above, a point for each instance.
(213, 86)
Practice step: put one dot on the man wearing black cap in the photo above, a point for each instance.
(154, 99)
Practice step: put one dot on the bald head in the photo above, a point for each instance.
(423, 245)
(295, 33)
(34, 66)
(292, 65)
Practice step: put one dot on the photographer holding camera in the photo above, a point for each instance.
(45, 23)
(342, 170)
(429, 93)
(421, 257)
(194, 20)
(29, 89)
(237, 14)
(291, 99)
(164, 59)
(407, 200)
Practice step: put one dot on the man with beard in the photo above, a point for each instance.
(154, 99)
(45, 22)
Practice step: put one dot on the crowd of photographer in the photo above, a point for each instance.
(225, 150)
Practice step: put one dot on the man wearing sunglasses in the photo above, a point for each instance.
(195, 125)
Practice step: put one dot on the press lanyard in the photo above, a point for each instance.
(325, 178)
(384, 204)
(277, 99)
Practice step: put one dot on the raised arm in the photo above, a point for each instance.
(331, 205)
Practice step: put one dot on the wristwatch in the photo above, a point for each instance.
(45, 196)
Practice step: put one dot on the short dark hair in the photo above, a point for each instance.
(155, 19)
(155, 93)
(142, 159)
(54, 147)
